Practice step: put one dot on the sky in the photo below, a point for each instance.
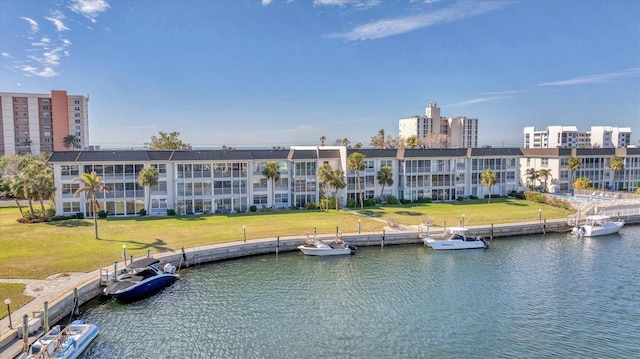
(251, 73)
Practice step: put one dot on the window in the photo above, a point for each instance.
(78, 121)
(77, 108)
(76, 102)
(71, 207)
(69, 170)
(261, 199)
(77, 114)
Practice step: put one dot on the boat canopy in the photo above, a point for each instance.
(142, 263)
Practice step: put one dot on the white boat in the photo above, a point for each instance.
(319, 248)
(68, 343)
(598, 225)
(456, 238)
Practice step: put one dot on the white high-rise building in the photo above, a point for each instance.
(570, 137)
(462, 132)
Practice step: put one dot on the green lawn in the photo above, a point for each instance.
(14, 292)
(36, 251)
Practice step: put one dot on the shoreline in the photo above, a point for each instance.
(58, 290)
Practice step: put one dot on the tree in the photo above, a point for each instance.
(545, 173)
(70, 141)
(358, 146)
(42, 184)
(325, 174)
(378, 141)
(412, 142)
(385, 178)
(148, 177)
(345, 142)
(437, 140)
(355, 162)
(582, 183)
(616, 164)
(337, 182)
(488, 178)
(272, 172)
(573, 164)
(532, 176)
(167, 141)
(91, 184)
(322, 139)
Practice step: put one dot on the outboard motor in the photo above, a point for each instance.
(169, 268)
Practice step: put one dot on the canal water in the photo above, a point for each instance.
(546, 296)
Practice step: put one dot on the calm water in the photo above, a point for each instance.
(549, 296)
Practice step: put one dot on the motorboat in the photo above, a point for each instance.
(317, 247)
(68, 343)
(598, 225)
(141, 279)
(456, 238)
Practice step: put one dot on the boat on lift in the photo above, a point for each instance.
(456, 238)
(598, 225)
(141, 279)
(316, 247)
(68, 343)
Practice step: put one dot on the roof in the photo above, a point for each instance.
(495, 152)
(375, 152)
(435, 152)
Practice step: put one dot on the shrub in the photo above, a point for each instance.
(171, 212)
(79, 215)
(253, 208)
(311, 205)
(142, 212)
(371, 202)
(392, 200)
(460, 198)
(473, 197)
(424, 200)
(352, 203)
(405, 201)
(50, 212)
(102, 214)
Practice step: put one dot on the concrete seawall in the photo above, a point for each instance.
(60, 308)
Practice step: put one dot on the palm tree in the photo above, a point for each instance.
(532, 176)
(488, 178)
(325, 174)
(345, 142)
(322, 139)
(412, 142)
(358, 146)
(16, 187)
(70, 141)
(42, 183)
(337, 182)
(616, 164)
(272, 172)
(573, 164)
(385, 178)
(545, 173)
(356, 162)
(91, 184)
(146, 178)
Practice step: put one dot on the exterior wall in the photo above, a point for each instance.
(34, 123)
(463, 131)
(570, 137)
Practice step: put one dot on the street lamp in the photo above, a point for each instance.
(124, 254)
(7, 302)
(244, 230)
(463, 221)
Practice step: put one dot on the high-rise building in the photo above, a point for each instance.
(436, 131)
(34, 123)
(570, 137)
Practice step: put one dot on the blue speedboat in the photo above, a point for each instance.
(141, 279)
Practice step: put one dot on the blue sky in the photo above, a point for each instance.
(278, 73)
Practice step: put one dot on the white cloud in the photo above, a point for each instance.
(57, 23)
(594, 79)
(89, 8)
(266, 2)
(45, 72)
(34, 25)
(394, 26)
(342, 3)
(7, 55)
(476, 100)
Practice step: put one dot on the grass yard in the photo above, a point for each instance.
(14, 292)
(35, 251)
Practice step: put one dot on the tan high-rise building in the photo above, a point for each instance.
(436, 131)
(34, 123)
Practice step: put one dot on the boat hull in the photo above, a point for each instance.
(445, 244)
(594, 231)
(312, 251)
(140, 290)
